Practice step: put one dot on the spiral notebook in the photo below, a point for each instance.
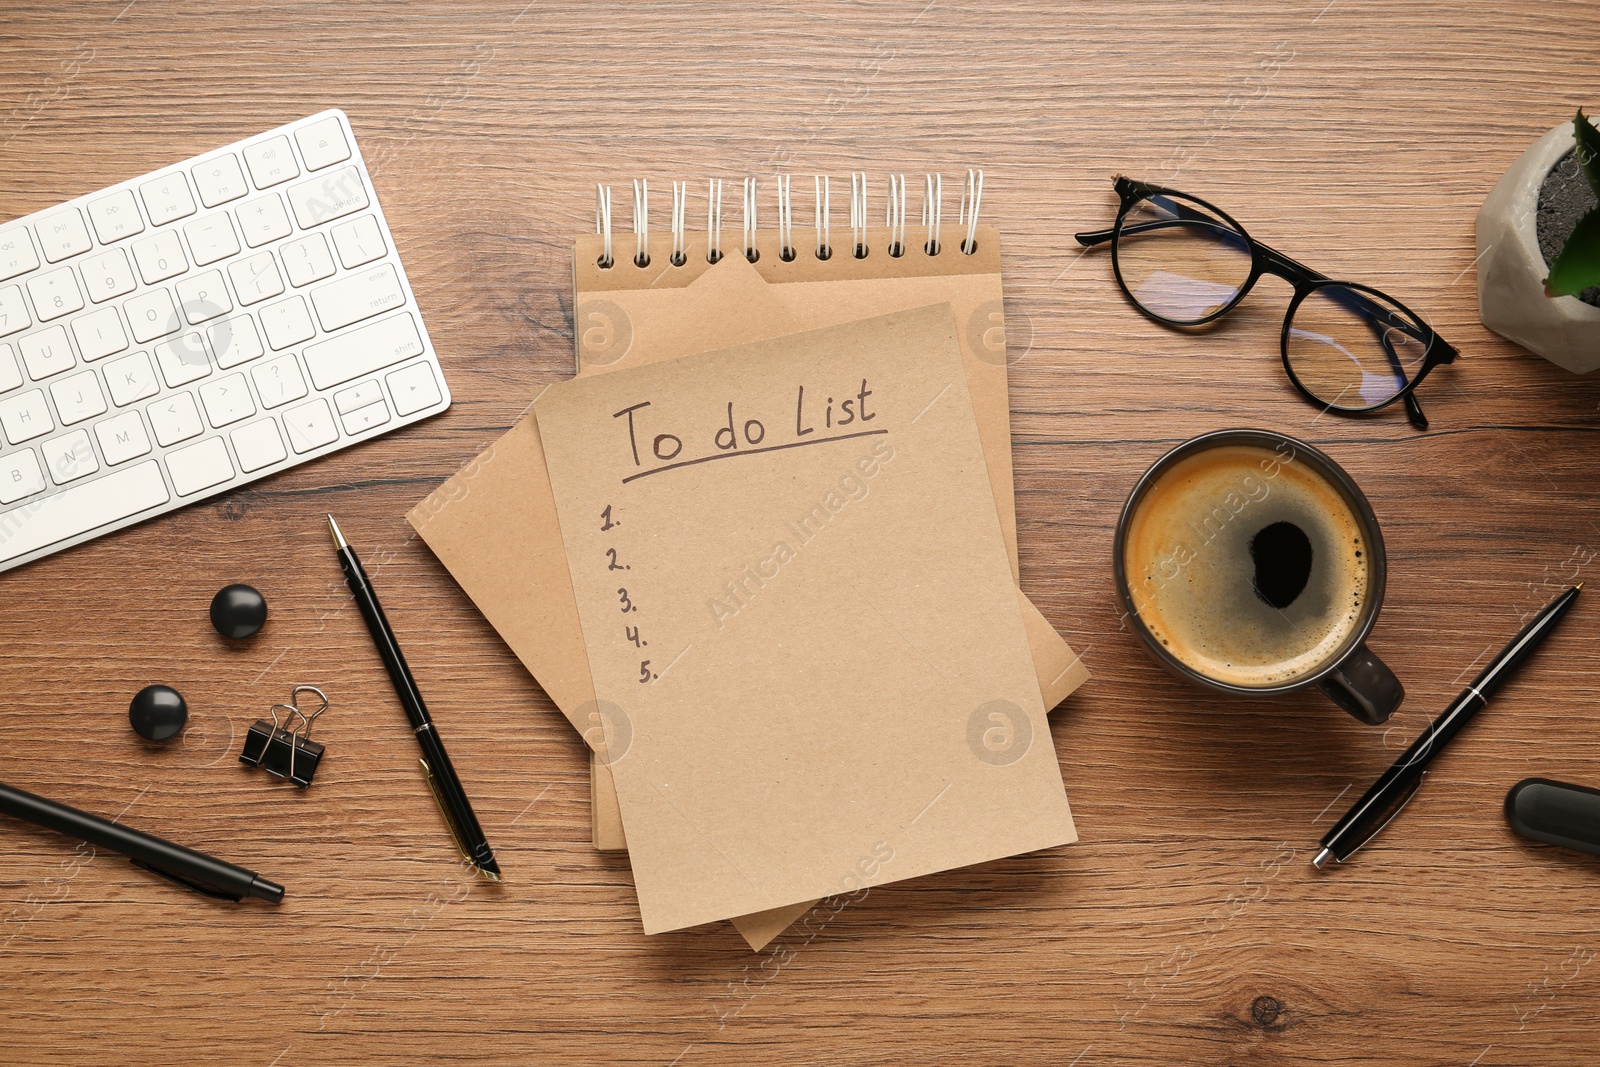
(497, 540)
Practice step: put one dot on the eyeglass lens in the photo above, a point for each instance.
(1179, 261)
(1352, 348)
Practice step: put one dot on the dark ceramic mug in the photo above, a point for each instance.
(1251, 563)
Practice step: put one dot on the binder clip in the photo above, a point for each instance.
(287, 751)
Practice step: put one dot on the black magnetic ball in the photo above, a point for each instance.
(158, 712)
(238, 611)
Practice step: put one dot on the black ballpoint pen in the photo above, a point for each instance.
(195, 870)
(1400, 782)
(441, 776)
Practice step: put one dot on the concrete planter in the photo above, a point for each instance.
(1511, 269)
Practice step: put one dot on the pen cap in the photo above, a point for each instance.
(1555, 813)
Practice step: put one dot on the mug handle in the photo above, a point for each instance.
(1364, 686)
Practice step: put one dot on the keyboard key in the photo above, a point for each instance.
(278, 381)
(16, 253)
(219, 180)
(107, 275)
(99, 334)
(115, 217)
(357, 396)
(62, 235)
(211, 238)
(184, 360)
(227, 400)
(310, 426)
(151, 315)
(25, 416)
(78, 397)
(413, 388)
(131, 378)
(358, 296)
(46, 353)
(364, 419)
(13, 311)
(307, 260)
(255, 278)
(69, 457)
(234, 341)
(10, 373)
(160, 256)
(122, 438)
(332, 196)
(20, 476)
(287, 323)
(175, 418)
(258, 445)
(362, 351)
(199, 466)
(119, 495)
(54, 294)
(322, 143)
(204, 297)
(167, 198)
(271, 162)
(358, 241)
(263, 219)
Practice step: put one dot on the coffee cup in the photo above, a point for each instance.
(1251, 563)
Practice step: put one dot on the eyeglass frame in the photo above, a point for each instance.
(1266, 260)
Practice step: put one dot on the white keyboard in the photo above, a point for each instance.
(206, 325)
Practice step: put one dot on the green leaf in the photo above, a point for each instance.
(1578, 265)
(1588, 149)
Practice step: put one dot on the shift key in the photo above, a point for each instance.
(363, 351)
(358, 296)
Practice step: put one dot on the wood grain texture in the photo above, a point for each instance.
(1356, 135)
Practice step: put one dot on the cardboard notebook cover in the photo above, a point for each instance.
(839, 289)
(492, 524)
(767, 747)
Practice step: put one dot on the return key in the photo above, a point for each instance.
(358, 296)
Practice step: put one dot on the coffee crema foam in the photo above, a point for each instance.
(1188, 561)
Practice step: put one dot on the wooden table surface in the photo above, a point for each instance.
(1188, 925)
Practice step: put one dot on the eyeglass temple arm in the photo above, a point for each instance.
(1414, 412)
(1096, 237)
(1447, 353)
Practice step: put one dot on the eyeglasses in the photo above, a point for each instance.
(1347, 348)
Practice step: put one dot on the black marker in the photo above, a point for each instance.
(191, 869)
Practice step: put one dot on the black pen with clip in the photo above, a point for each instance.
(1400, 782)
(436, 768)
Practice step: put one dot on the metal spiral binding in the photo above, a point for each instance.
(602, 222)
(971, 197)
(785, 221)
(896, 218)
(641, 222)
(749, 218)
(714, 220)
(824, 210)
(896, 215)
(858, 214)
(680, 204)
(933, 211)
